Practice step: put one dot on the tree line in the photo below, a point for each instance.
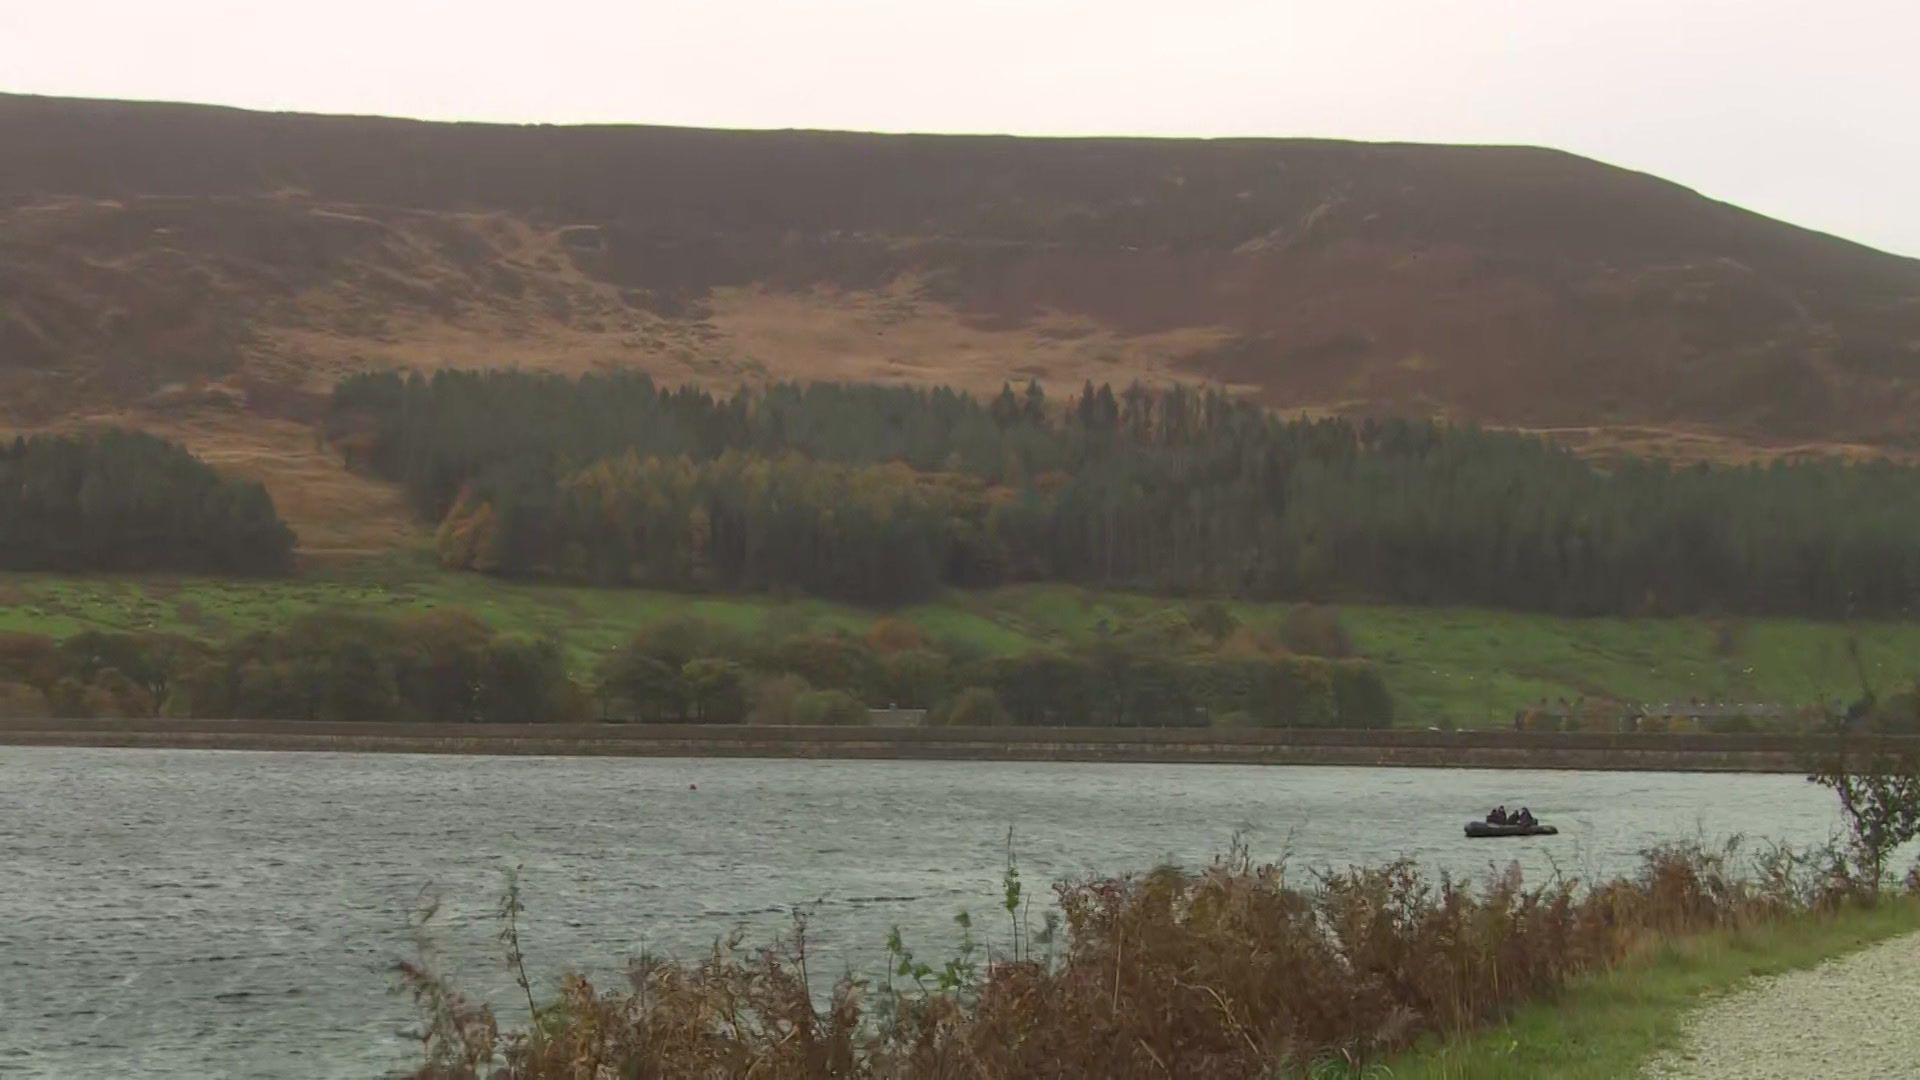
(885, 494)
(434, 667)
(122, 500)
(1171, 672)
(451, 667)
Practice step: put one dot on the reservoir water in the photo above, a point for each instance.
(195, 913)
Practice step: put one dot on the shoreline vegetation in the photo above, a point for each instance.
(1236, 970)
(1445, 667)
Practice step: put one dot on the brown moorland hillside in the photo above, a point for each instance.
(211, 271)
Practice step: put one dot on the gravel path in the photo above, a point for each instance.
(1858, 1016)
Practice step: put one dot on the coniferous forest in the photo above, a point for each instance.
(121, 500)
(884, 494)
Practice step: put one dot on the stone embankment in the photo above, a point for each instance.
(1317, 746)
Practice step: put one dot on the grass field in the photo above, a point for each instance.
(1607, 1026)
(1470, 667)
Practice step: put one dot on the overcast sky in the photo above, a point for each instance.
(1806, 111)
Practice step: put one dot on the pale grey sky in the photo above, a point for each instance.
(1806, 111)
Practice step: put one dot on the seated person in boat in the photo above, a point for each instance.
(1498, 816)
(1525, 818)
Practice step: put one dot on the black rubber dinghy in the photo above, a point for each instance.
(1480, 829)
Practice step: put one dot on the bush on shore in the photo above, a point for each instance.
(437, 667)
(976, 706)
(828, 708)
(1233, 971)
(20, 701)
(1152, 677)
(449, 666)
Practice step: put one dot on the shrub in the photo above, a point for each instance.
(1043, 688)
(1166, 630)
(335, 666)
(1144, 689)
(1300, 694)
(524, 681)
(642, 687)
(75, 700)
(1214, 620)
(1312, 630)
(143, 666)
(828, 708)
(1899, 714)
(32, 659)
(1361, 698)
(1286, 691)
(976, 706)
(1541, 719)
(677, 640)
(889, 635)
(829, 661)
(21, 701)
(113, 694)
(915, 678)
(774, 699)
(442, 662)
(1229, 972)
(1879, 796)
(716, 691)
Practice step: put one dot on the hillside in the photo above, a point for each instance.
(208, 271)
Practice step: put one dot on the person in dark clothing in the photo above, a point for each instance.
(1498, 817)
(1525, 817)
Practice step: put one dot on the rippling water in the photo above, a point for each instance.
(193, 913)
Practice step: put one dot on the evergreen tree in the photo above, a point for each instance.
(885, 494)
(119, 500)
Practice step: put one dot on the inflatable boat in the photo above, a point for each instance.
(1478, 829)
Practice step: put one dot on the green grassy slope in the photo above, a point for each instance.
(1469, 666)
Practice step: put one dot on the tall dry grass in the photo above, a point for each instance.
(1233, 971)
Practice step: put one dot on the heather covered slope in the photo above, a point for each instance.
(170, 257)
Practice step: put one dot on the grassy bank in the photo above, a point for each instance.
(1468, 666)
(1606, 1025)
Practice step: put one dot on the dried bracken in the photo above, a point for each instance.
(1232, 971)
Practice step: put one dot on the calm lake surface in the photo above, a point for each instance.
(195, 913)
